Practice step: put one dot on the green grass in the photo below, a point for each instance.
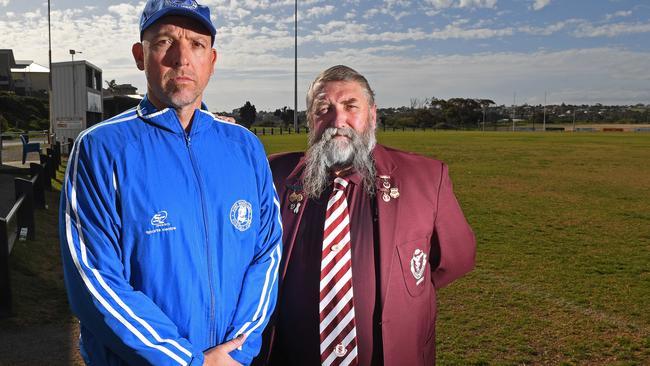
(562, 223)
(563, 265)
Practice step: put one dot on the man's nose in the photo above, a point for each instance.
(181, 53)
(340, 119)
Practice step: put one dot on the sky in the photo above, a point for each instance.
(574, 51)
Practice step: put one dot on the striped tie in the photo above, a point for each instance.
(338, 332)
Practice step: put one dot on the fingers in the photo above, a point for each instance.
(233, 344)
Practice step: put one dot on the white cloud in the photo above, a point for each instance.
(587, 30)
(442, 4)
(619, 14)
(477, 3)
(4, 2)
(549, 29)
(319, 11)
(540, 4)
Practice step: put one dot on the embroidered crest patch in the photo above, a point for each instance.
(241, 215)
(418, 264)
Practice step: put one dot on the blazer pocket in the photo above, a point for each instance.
(414, 261)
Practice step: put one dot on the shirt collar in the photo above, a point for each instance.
(167, 119)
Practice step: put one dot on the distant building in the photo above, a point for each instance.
(76, 97)
(7, 62)
(120, 97)
(23, 77)
(30, 78)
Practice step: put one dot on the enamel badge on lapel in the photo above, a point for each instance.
(418, 263)
(295, 200)
(387, 191)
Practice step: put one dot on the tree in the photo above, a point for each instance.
(111, 85)
(247, 113)
(285, 114)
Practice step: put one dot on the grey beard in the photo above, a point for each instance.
(328, 154)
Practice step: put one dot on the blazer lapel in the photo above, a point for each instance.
(388, 212)
(291, 219)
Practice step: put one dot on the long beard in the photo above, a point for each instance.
(331, 153)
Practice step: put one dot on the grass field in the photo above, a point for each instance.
(563, 231)
(562, 222)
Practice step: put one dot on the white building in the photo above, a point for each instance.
(76, 97)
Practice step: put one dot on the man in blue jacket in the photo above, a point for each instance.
(170, 227)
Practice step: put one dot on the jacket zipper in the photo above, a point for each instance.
(188, 142)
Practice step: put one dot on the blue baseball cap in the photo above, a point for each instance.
(156, 9)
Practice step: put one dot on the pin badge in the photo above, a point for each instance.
(394, 192)
(387, 191)
(340, 350)
(418, 263)
(295, 200)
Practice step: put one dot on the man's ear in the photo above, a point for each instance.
(138, 55)
(215, 56)
(373, 115)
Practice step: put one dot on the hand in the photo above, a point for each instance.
(220, 355)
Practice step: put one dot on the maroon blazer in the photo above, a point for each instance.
(418, 213)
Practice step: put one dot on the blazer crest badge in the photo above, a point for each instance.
(418, 264)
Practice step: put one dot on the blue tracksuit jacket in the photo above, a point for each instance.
(170, 240)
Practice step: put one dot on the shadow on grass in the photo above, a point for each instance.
(41, 330)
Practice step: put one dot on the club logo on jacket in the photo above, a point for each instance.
(160, 224)
(241, 215)
(418, 263)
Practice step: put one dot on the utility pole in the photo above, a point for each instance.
(514, 105)
(544, 125)
(483, 117)
(574, 119)
(49, 74)
(295, 68)
(74, 82)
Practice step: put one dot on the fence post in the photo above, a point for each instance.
(271, 130)
(26, 210)
(51, 163)
(57, 154)
(5, 284)
(70, 145)
(47, 178)
(38, 178)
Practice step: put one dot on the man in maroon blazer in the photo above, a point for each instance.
(406, 238)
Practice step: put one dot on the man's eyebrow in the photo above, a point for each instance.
(350, 100)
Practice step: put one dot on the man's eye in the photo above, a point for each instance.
(163, 42)
(322, 111)
(199, 44)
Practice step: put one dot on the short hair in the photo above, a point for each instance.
(336, 73)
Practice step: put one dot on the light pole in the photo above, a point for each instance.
(295, 68)
(544, 125)
(49, 74)
(74, 82)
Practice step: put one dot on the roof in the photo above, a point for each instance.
(33, 67)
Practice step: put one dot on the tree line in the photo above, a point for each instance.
(463, 113)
